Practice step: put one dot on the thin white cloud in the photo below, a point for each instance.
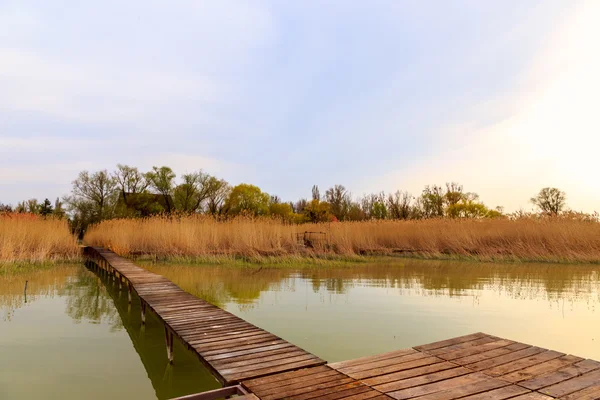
(550, 138)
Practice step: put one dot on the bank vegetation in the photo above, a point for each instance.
(566, 238)
(29, 238)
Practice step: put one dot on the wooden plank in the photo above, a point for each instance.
(447, 384)
(532, 396)
(563, 374)
(411, 373)
(290, 391)
(460, 353)
(590, 393)
(589, 379)
(490, 354)
(388, 369)
(458, 392)
(336, 392)
(463, 345)
(423, 380)
(268, 364)
(299, 383)
(523, 363)
(542, 368)
(450, 342)
(365, 360)
(257, 372)
(506, 392)
(287, 377)
(388, 361)
(493, 362)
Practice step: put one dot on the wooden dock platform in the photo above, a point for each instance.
(265, 367)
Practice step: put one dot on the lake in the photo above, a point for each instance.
(76, 336)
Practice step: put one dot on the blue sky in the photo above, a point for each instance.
(377, 95)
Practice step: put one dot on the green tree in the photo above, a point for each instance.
(247, 199)
(162, 181)
(374, 206)
(454, 193)
(46, 208)
(280, 210)
(93, 198)
(99, 188)
(316, 211)
(190, 195)
(432, 202)
(32, 206)
(550, 201)
(59, 211)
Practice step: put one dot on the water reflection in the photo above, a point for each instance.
(88, 299)
(185, 376)
(41, 283)
(79, 320)
(222, 284)
(340, 313)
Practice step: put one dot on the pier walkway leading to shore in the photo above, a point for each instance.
(255, 364)
(232, 348)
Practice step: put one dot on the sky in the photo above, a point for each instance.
(502, 97)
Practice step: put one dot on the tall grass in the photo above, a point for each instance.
(26, 238)
(532, 239)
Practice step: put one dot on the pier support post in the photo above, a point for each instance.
(143, 312)
(169, 342)
(129, 292)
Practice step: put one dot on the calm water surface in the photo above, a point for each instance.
(74, 336)
(349, 312)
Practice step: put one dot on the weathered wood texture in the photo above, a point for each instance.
(477, 366)
(231, 347)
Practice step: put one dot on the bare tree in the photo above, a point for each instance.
(98, 188)
(339, 201)
(399, 205)
(316, 194)
(300, 205)
(217, 194)
(550, 201)
(130, 181)
(374, 206)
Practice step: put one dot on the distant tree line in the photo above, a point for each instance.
(129, 193)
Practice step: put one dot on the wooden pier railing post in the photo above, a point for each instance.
(169, 342)
(143, 313)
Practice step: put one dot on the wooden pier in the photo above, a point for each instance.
(255, 364)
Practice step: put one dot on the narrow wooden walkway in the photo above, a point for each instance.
(266, 367)
(232, 348)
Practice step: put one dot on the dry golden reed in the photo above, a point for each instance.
(534, 239)
(28, 238)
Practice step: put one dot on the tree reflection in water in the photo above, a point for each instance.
(244, 285)
(104, 301)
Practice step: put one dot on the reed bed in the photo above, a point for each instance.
(26, 238)
(525, 239)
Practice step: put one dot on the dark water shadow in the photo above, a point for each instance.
(187, 374)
